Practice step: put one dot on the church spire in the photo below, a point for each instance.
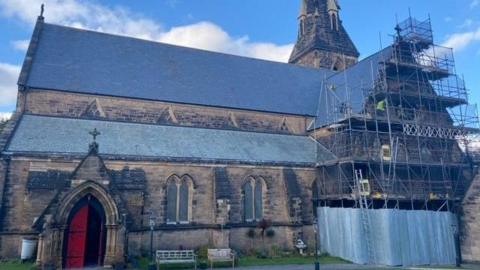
(322, 40)
(333, 6)
(303, 10)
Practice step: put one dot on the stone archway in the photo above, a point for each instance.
(54, 233)
(112, 218)
(85, 236)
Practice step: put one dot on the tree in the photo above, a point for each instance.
(3, 123)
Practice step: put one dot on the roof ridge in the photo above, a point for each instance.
(31, 51)
(185, 47)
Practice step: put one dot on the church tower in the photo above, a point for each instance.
(322, 40)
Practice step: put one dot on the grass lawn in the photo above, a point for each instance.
(244, 261)
(254, 261)
(15, 266)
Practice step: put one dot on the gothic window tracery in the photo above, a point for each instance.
(334, 21)
(179, 199)
(253, 199)
(302, 27)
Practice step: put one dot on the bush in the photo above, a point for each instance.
(250, 252)
(203, 265)
(261, 254)
(202, 253)
(270, 233)
(251, 233)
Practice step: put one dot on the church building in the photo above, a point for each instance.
(114, 136)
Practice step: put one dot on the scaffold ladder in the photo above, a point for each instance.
(390, 180)
(363, 201)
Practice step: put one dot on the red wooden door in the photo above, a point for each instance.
(77, 239)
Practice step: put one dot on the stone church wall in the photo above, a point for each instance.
(22, 205)
(332, 60)
(34, 182)
(470, 223)
(3, 168)
(16, 214)
(236, 238)
(53, 103)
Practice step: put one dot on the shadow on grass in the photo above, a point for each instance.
(249, 261)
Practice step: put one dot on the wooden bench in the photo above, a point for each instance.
(221, 255)
(175, 257)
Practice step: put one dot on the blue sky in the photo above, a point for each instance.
(255, 28)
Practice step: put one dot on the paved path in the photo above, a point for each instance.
(335, 267)
(346, 267)
(311, 267)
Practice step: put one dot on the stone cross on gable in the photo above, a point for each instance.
(94, 145)
(95, 133)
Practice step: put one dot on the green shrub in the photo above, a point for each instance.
(261, 254)
(249, 252)
(270, 233)
(203, 265)
(251, 233)
(202, 253)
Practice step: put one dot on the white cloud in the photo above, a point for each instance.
(89, 14)
(21, 45)
(208, 36)
(460, 41)
(448, 19)
(82, 14)
(270, 51)
(467, 23)
(8, 83)
(474, 4)
(5, 116)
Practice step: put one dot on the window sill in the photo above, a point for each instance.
(178, 223)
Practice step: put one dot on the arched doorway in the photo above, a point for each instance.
(85, 236)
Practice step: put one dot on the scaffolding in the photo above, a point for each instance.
(401, 119)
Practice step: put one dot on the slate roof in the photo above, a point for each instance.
(351, 86)
(69, 59)
(51, 135)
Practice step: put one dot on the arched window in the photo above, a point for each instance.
(184, 201)
(337, 65)
(334, 19)
(248, 201)
(179, 199)
(258, 200)
(253, 191)
(172, 201)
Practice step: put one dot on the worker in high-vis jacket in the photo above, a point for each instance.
(382, 105)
